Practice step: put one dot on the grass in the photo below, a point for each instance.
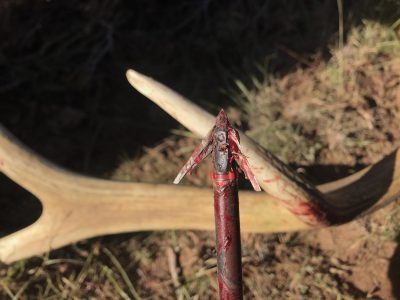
(304, 118)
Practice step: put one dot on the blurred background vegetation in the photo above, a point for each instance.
(317, 83)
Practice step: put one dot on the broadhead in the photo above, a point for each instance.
(206, 147)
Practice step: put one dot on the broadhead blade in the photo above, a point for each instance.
(200, 153)
(187, 168)
(241, 159)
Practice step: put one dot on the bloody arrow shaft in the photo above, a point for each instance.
(223, 142)
(229, 259)
(227, 224)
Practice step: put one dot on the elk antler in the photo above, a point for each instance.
(76, 207)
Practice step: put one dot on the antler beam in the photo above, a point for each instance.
(76, 207)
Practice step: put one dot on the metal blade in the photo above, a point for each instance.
(200, 153)
(241, 159)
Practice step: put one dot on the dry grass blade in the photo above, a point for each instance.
(123, 274)
(6, 289)
(109, 274)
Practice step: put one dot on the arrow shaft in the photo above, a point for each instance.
(229, 259)
(226, 210)
(223, 142)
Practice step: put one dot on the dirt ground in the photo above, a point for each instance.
(317, 85)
